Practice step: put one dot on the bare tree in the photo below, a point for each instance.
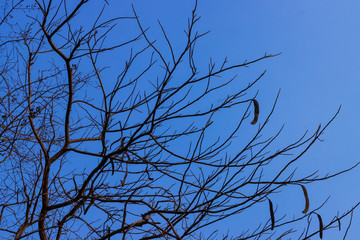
(116, 135)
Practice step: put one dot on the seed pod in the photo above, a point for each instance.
(307, 202)
(112, 166)
(321, 226)
(256, 112)
(87, 208)
(339, 223)
(271, 214)
(122, 142)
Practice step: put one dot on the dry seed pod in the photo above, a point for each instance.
(271, 214)
(125, 176)
(256, 112)
(87, 208)
(112, 166)
(122, 142)
(307, 202)
(321, 226)
(339, 223)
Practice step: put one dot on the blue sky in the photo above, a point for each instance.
(317, 72)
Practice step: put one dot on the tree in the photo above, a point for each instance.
(94, 148)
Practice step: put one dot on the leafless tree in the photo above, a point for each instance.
(109, 134)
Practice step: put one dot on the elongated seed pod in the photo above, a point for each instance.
(256, 111)
(87, 208)
(271, 214)
(307, 202)
(112, 166)
(122, 142)
(339, 223)
(321, 226)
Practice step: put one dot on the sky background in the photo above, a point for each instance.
(317, 72)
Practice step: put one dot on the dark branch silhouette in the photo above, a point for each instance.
(109, 133)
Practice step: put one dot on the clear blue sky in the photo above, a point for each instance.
(319, 69)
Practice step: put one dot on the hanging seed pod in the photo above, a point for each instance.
(112, 166)
(321, 226)
(256, 112)
(122, 142)
(87, 208)
(307, 202)
(339, 223)
(271, 214)
(125, 176)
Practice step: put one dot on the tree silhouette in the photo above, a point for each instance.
(93, 148)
